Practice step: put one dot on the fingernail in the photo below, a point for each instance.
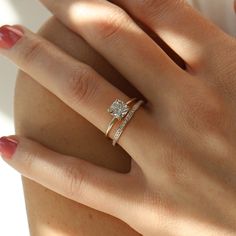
(9, 35)
(7, 147)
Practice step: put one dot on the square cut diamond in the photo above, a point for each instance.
(118, 109)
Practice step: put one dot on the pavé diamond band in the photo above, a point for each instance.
(125, 121)
(118, 110)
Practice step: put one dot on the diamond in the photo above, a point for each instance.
(118, 109)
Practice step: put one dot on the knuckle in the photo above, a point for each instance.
(29, 160)
(206, 112)
(110, 26)
(73, 179)
(32, 51)
(82, 84)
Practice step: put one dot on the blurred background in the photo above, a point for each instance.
(32, 14)
(13, 221)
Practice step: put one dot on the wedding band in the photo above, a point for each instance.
(118, 110)
(125, 121)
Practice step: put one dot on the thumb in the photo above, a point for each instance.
(74, 178)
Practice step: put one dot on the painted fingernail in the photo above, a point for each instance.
(7, 147)
(9, 35)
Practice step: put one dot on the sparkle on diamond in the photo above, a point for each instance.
(118, 109)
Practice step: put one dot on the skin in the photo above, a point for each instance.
(66, 134)
(182, 144)
(46, 203)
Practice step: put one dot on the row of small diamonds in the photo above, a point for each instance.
(128, 117)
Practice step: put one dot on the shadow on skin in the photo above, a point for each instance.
(53, 132)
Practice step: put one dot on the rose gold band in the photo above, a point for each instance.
(114, 119)
(125, 121)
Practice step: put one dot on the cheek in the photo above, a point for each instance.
(235, 6)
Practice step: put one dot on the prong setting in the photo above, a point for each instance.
(118, 109)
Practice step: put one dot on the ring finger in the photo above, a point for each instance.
(75, 83)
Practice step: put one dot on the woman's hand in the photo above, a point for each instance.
(183, 175)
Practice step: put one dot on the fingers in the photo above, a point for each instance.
(188, 33)
(74, 178)
(75, 83)
(116, 36)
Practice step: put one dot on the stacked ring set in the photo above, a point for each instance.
(122, 112)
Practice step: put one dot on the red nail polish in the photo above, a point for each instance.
(9, 36)
(7, 147)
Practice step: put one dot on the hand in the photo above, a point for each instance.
(183, 175)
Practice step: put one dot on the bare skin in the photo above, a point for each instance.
(58, 127)
(182, 143)
(46, 119)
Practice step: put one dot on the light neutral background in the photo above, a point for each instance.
(13, 221)
(30, 13)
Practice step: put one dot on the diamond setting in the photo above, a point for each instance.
(126, 120)
(118, 109)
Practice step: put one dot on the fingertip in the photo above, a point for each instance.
(9, 36)
(8, 146)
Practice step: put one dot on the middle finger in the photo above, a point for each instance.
(113, 33)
